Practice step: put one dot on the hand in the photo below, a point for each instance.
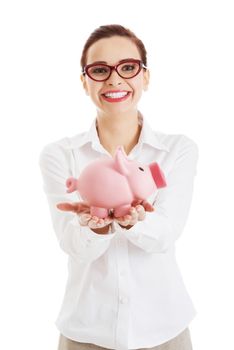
(137, 213)
(94, 222)
(83, 210)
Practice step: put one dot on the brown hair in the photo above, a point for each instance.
(108, 31)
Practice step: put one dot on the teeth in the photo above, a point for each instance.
(115, 94)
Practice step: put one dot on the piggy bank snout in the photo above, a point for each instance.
(157, 175)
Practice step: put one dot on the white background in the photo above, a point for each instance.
(190, 57)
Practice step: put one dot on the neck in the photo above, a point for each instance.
(118, 130)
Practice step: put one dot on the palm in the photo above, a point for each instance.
(136, 213)
(85, 218)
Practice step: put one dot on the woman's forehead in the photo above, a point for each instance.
(112, 50)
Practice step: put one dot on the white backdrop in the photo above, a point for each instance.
(190, 57)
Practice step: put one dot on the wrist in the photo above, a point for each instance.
(126, 227)
(101, 231)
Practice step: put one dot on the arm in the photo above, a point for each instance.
(161, 228)
(78, 241)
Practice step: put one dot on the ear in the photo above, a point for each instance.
(146, 79)
(84, 83)
(120, 161)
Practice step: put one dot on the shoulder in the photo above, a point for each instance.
(181, 156)
(60, 149)
(176, 143)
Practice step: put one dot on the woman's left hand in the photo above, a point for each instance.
(136, 213)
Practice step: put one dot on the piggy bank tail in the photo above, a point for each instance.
(72, 184)
(158, 175)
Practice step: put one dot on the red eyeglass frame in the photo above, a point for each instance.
(141, 65)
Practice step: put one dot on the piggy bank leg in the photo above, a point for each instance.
(122, 210)
(101, 213)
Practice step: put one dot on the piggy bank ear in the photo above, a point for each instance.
(72, 184)
(158, 175)
(121, 161)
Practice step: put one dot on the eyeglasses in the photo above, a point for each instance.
(101, 72)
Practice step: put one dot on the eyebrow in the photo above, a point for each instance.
(124, 60)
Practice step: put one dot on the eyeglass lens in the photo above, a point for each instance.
(125, 70)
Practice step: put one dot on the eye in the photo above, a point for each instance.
(141, 169)
(128, 67)
(98, 70)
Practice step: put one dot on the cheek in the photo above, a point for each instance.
(137, 89)
(94, 90)
(137, 85)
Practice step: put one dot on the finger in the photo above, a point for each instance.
(141, 212)
(81, 207)
(84, 219)
(108, 220)
(133, 212)
(123, 220)
(105, 221)
(148, 206)
(66, 206)
(96, 223)
(123, 223)
(134, 219)
(75, 207)
(134, 216)
(136, 201)
(128, 218)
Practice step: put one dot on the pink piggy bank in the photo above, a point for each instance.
(112, 184)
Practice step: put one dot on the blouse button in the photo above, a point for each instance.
(123, 300)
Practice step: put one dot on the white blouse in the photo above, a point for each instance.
(124, 289)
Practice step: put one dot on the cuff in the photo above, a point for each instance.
(150, 236)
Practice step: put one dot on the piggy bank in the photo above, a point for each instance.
(112, 184)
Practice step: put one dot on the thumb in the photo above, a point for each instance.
(66, 206)
(148, 207)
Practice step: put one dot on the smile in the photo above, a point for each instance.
(116, 96)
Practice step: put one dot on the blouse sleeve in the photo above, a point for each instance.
(161, 228)
(78, 241)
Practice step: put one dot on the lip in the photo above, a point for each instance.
(109, 91)
(109, 99)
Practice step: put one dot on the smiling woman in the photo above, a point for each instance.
(124, 289)
(114, 75)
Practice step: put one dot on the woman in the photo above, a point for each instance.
(124, 289)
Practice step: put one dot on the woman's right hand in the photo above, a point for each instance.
(82, 209)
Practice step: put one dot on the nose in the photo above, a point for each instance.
(114, 79)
